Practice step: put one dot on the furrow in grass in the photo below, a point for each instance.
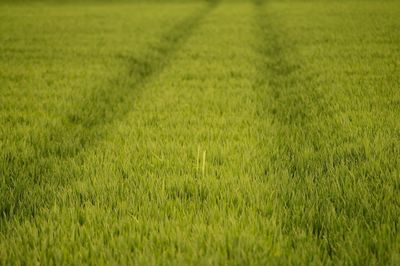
(104, 105)
(334, 173)
(30, 183)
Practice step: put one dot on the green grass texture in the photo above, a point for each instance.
(200, 132)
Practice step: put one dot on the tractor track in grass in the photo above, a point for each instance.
(140, 70)
(84, 126)
(284, 102)
(278, 72)
(297, 107)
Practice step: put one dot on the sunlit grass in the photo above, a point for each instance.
(200, 132)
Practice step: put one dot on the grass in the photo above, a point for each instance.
(200, 132)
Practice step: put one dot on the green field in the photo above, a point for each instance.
(200, 132)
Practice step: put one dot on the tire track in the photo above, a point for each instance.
(292, 96)
(29, 183)
(296, 106)
(94, 110)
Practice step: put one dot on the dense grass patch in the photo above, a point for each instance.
(62, 133)
(200, 132)
(330, 71)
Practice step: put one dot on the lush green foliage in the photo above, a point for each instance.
(203, 132)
